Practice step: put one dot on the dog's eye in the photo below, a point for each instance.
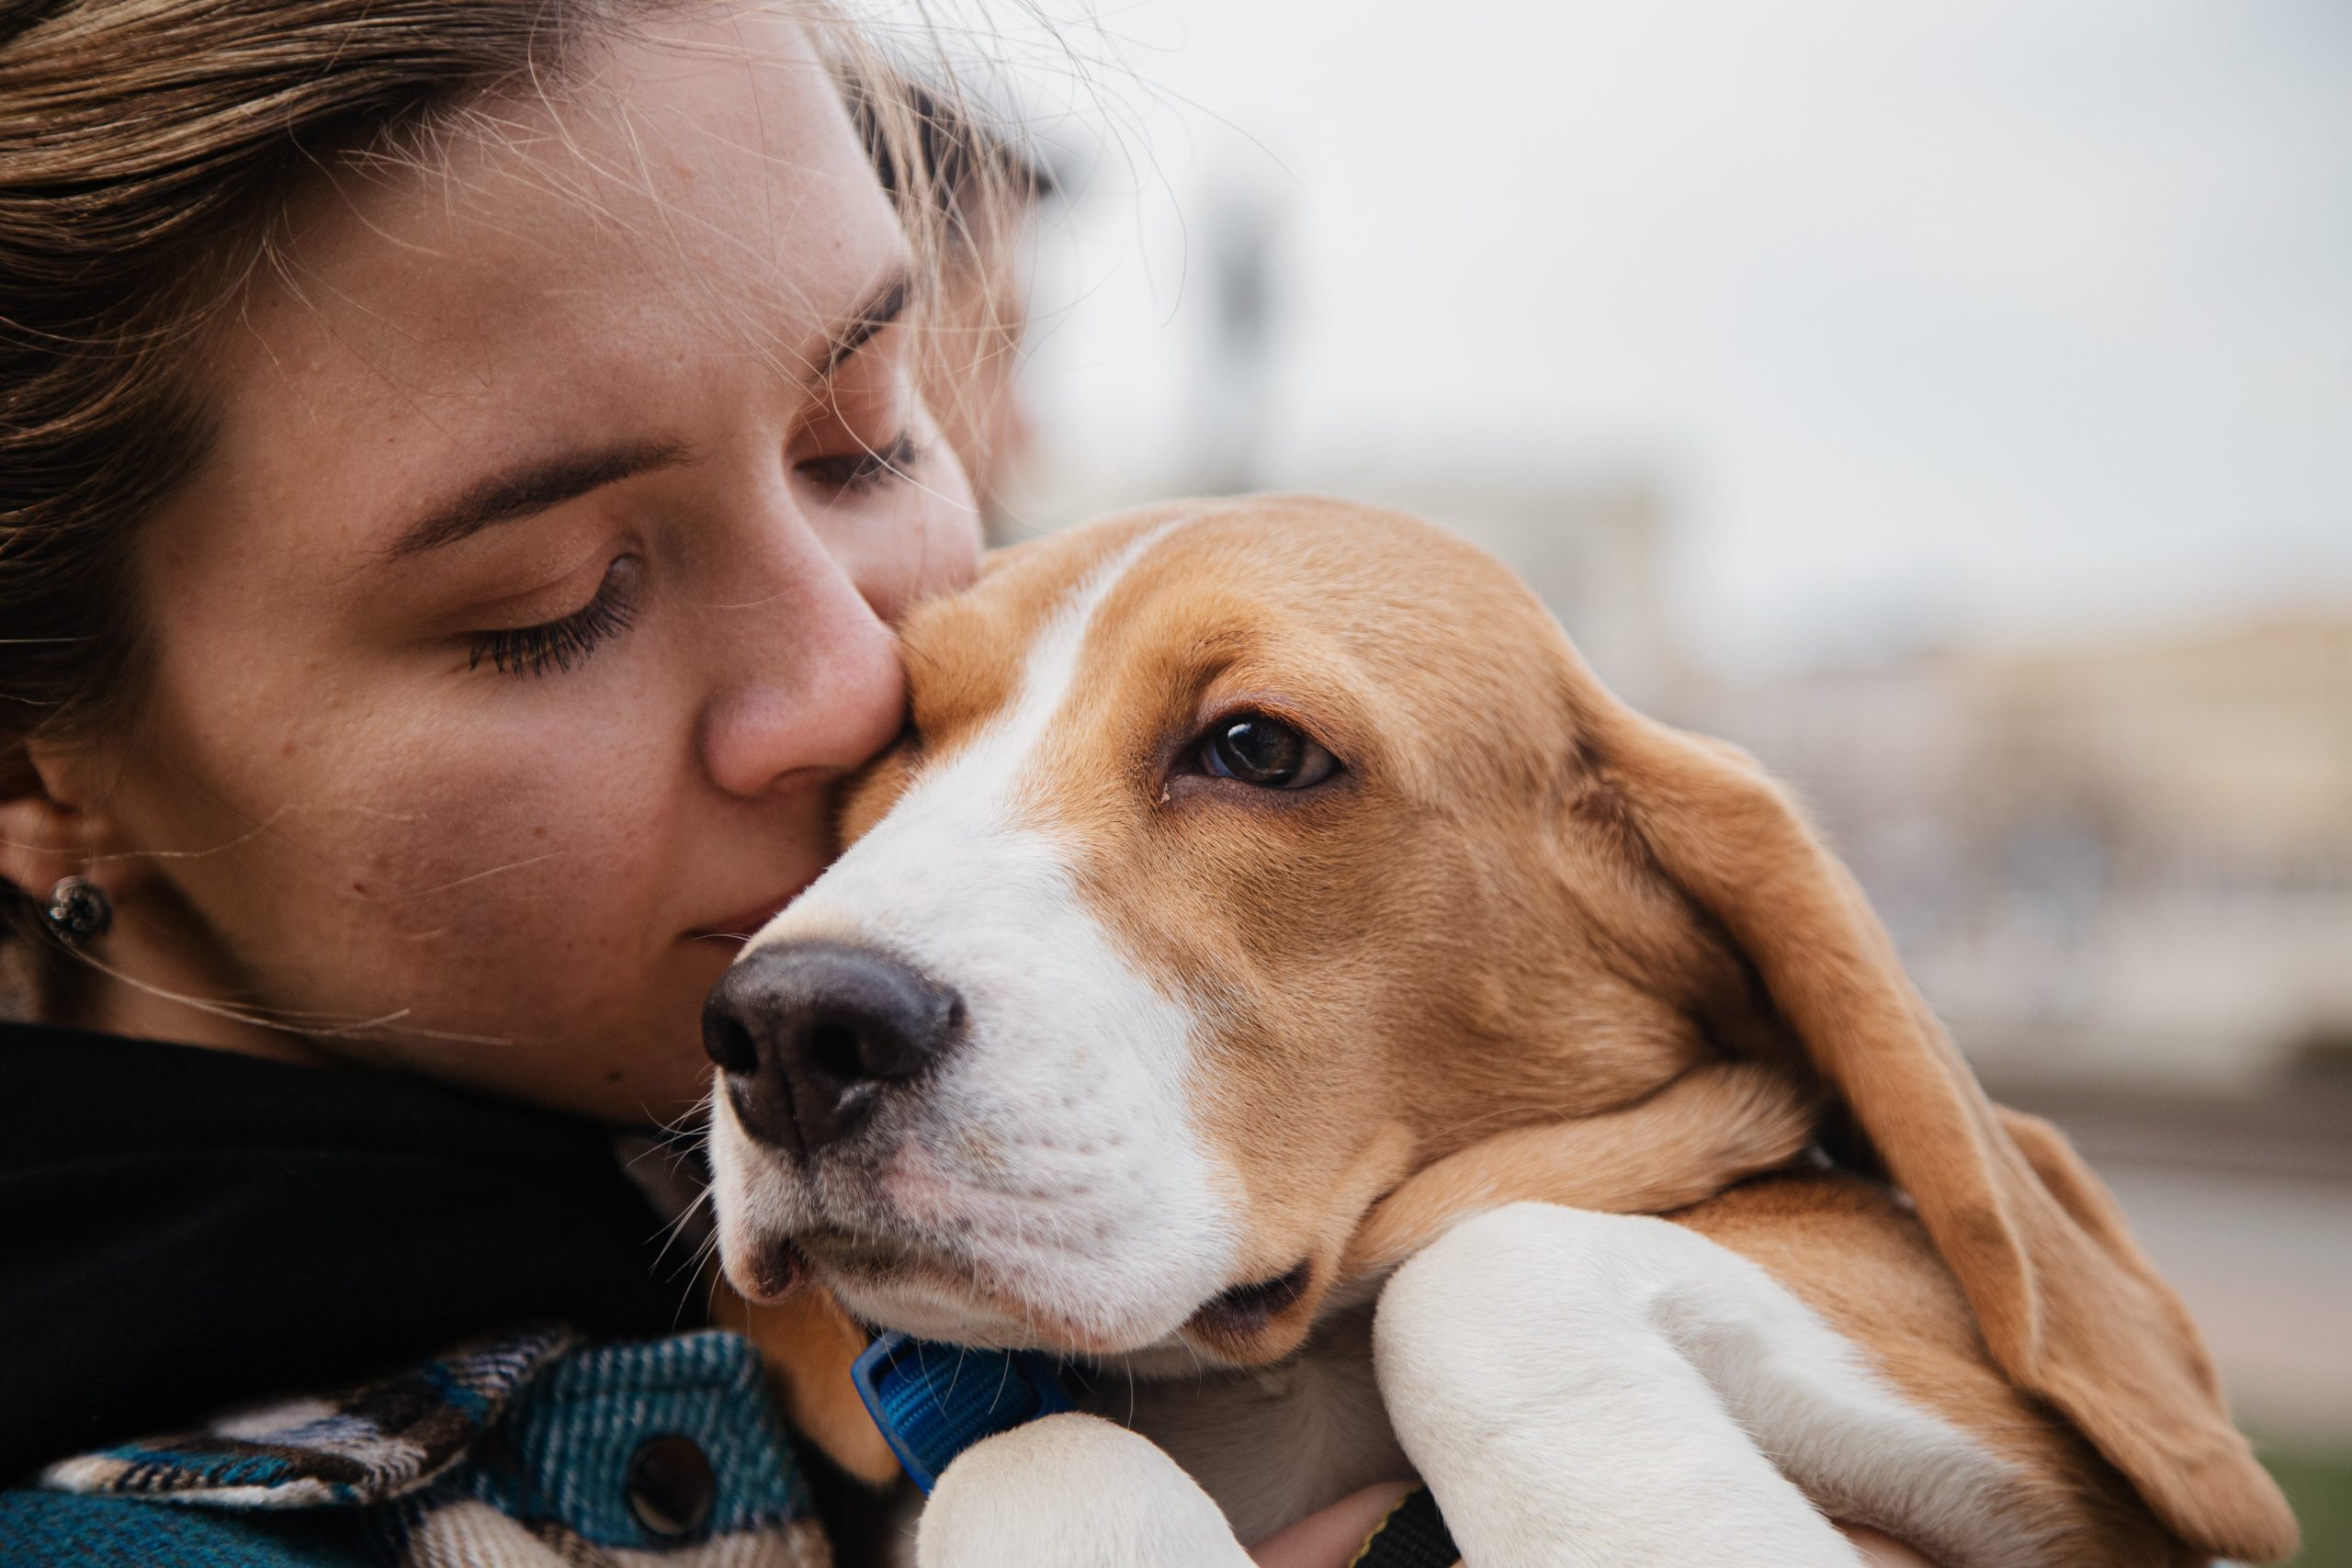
(1265, 753)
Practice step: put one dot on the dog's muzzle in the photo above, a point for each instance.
(809, 1033)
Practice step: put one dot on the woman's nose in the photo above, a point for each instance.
(813, 683)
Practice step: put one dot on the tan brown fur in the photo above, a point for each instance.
(1710, 1129)
(1490, 947)
(806, 1343)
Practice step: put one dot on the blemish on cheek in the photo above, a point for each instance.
(538, 833)
(613, 1076)
(360, 888)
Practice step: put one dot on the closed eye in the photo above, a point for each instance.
(557, 646)
(866, 469)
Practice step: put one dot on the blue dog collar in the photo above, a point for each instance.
(933, 1401)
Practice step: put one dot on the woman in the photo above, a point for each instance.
(459, 467)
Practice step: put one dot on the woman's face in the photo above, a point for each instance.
(508, 645)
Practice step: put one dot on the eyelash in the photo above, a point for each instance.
(854, 473)
(560, 645)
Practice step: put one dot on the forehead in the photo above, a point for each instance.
(548, 266)
(1421, 635)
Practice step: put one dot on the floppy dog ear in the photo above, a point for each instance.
(2069, 1305)
(806, 1343)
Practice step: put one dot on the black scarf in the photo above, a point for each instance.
(182, 1230)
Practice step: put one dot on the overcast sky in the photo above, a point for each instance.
(2006, 318)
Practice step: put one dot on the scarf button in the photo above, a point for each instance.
(671, 1486)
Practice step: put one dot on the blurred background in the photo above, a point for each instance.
(1949, 402)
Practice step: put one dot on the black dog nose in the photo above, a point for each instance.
(807, 1032)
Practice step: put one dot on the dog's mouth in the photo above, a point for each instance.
(838, 1254)
(771, 1270)
(1233, 1322)
(933, 1294)
(777, 1265)
(1240, 1314)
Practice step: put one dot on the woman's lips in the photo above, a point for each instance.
(745, 926)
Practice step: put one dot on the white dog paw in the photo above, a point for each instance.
(1571, 1386)
(1071, 1492)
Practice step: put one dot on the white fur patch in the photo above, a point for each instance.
(1051, 1155)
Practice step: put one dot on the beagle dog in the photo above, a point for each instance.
(1263, 962)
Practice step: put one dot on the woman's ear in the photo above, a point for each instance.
(44, 835)
(2069, 1305)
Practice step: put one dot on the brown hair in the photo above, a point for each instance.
(148, 148)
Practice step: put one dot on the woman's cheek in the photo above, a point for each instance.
(518, 836)
(474, 877)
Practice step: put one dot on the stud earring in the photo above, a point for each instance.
(79, 911)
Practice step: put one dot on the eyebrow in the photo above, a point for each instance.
(534, 487)
(547, 482)
(882, 308)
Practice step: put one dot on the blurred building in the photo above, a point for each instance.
(2131, 860)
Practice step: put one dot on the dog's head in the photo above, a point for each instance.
(1214, 887)
(1243, 858)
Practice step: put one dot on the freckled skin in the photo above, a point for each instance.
(497, 878)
